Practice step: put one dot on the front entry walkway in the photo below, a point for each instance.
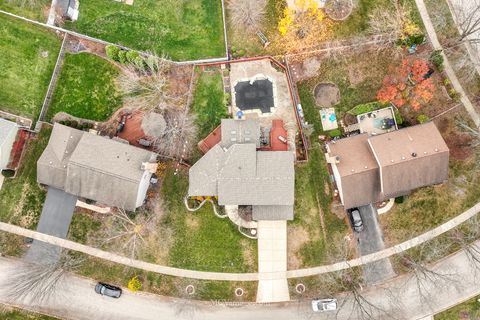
(272, 257)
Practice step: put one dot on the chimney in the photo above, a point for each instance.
(149, 166)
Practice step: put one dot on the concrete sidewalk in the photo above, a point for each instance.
(272, 256)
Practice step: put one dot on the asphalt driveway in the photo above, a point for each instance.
(371, 240)
(55, 220)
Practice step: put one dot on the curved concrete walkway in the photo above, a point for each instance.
(67, 244)
(432, 35)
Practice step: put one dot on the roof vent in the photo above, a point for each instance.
(414, 154)
(366, 167)
(424, 152)
(392, 161)
(436, 150)
(403, 158)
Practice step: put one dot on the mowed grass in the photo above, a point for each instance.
(181, 29)
(21, 199)
(470, 309)
(209, 103)
(429, 207)
(9, 313)
(313, 198)
(35, 10)
(27, 59)
(117, 274)
(86, 88)
(203, 241)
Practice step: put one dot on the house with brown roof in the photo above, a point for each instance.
(96, 168)
(369, 169)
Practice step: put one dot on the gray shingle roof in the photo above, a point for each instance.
(93, 167)
(272, 212)
(243, 176)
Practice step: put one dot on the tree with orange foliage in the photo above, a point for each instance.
(407, 85)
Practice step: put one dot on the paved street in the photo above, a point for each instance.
(76, 300)
(370, 240)
(55, 220)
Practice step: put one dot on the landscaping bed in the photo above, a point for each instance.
(27, 61)
(86, 88)
(184, 30)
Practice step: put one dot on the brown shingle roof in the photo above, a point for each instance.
(410, 158)
(368, 174)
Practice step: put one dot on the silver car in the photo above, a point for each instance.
(356, 219)
(322, 305)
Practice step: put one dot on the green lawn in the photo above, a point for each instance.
(313, 197)
(201, 240)
(86, 88)
(166, 285)
(9, 313)
(429, 207)
(33, 9)
(27, 59)
(470, 309)
(184, 29)
(21, 199)
(209, 102)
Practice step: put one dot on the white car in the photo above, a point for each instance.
(321, 305)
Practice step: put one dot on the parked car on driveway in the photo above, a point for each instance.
(356, 220)
(108, 290)
(321, 305)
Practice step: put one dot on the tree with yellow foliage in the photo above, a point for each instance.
(303, 27)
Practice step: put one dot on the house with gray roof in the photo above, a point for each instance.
(369, 169)
(239, 174)
(96, 168)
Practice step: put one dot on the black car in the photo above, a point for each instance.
(356, 220)
(108, 290)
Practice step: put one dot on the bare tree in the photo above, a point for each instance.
(145, 84)
(180, 131)
(37, 282)
(384, 21)
(247, 15)
(468, 20)
(418, 262)
(128, 233)
(466, 237)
